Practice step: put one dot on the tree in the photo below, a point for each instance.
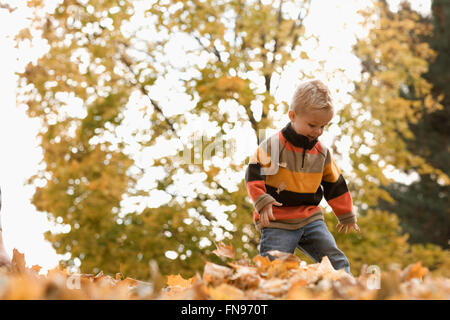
(100, 62)
(429, 194)
(390, 99)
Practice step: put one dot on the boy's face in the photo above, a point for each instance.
(310, 124)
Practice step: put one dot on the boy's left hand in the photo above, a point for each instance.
(347, 227)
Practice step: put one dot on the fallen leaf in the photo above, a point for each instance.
(245, 277)
(18, 262)
(262, 263)
(414, 271)
(299, 292)
(25, 288)
(290, 260)
(325, 266)
(226, 292)
(131, 282)
(214, 274)
(36, 268)
(224, 250)
(259, 278)
(277, 269)
(178, 281)
(275, 287)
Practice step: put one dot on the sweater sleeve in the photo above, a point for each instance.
(259, 166)
(336, 191)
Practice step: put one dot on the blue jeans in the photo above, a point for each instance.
(313, 239)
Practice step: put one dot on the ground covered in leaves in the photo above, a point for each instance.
(283, 278)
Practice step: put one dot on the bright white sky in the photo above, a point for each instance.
(334, 22)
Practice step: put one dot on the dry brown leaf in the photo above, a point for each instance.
(414, 271)
(179, 281)
(325, 266)
(175, 293)
(311, 273)
(24, 288)
(18, 262)
(36, 268)
(223, 250)
(290, 260)
(262, 263)
(245, 277)
(275, 287)
(197, 291)
(299, 292)
(213, 274)
(57, 271)
(277, 269)
(99, 276)
(226, 292)
(282, 278)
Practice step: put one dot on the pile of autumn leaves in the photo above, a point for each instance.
(283, 278)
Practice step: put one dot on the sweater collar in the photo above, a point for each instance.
(298, 140)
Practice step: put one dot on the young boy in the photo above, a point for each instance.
(287, 177)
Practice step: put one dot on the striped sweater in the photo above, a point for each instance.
(296, 172)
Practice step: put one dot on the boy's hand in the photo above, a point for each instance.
(266, 213)
(347, 227)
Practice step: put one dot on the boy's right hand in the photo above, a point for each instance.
(266, 213)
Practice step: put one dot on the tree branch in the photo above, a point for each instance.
(297, 24)
(275, 48)
(7, 7)
(126, 61)
(215, 51)
(145, 92)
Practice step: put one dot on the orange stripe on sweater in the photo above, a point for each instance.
(256, 188)
(342, 204)
(331, 172)
(295, 181)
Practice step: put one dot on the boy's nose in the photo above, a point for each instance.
(318, 132)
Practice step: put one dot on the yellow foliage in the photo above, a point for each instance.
(234, 84)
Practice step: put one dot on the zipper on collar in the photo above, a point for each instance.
(303, 157)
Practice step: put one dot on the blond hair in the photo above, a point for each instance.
(311, 95)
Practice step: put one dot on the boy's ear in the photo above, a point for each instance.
(291, 114)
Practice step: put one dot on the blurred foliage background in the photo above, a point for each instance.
(104, 64)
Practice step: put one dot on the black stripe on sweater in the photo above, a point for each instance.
(290, 198)
(253, 173)
(334, 189)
